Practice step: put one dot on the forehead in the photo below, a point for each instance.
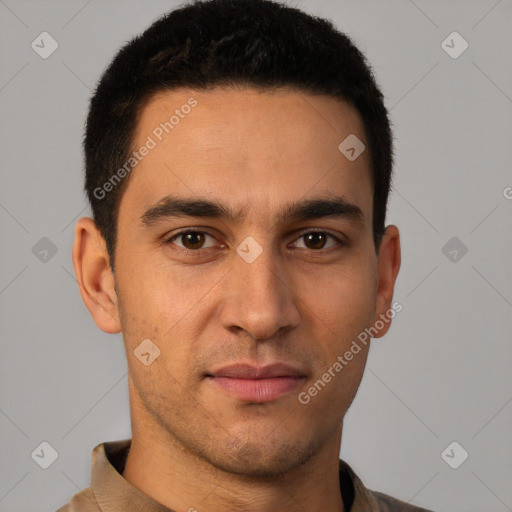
(254, 149)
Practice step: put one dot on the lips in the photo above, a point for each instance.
(250, 383)
(248, 371)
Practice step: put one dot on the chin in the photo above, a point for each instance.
(259, 460)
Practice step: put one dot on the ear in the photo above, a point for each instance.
(94, 276)
(388, 265)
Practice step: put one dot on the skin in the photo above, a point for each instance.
(299, 302)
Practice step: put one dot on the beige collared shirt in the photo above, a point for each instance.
(110, 492)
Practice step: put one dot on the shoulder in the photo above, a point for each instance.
(389, 504)
(83, 501)
(361, 499)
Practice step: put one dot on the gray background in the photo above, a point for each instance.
(442, 373)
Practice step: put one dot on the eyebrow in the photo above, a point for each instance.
(304, 209)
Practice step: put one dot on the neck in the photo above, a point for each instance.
(180, 479)
(163, 469)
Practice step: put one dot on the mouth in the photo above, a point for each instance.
(250, 383)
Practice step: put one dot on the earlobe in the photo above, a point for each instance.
(94, 276)
(388, 265)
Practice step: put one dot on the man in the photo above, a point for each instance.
(238, 164)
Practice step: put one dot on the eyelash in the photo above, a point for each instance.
(169, 240)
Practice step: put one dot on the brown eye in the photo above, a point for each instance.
(317, 240)
(190, 240)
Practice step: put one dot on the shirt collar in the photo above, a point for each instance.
(113, 493)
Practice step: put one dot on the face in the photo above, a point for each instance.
(268, 258)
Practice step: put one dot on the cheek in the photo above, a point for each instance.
(342, 299)
(162, 296)
(168, 307)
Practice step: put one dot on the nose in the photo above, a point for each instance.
(259, 296)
